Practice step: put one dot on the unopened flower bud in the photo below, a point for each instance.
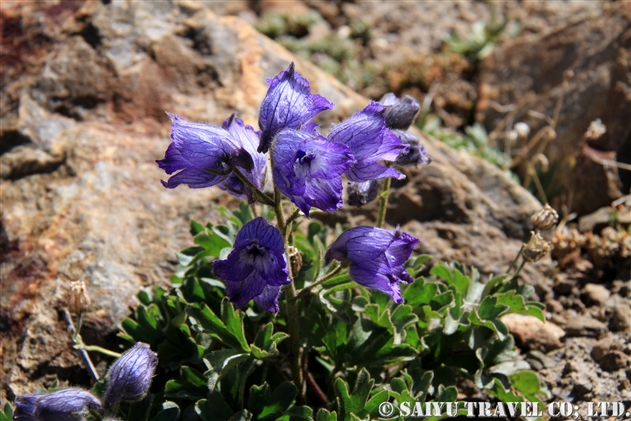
(416, 153)
(400, 113)
(78, 297)
(63, 405)
(522, 129)
(130, 376)
(361, 193)
(545, 218)
(295, 258)
(536, 248)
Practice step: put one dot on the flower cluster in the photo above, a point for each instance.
(129, 380)
(307, 168)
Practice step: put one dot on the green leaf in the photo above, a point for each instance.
(298, 413)
(216, 327)
(234, 323)
(420, 261)
(443, 271)
(213, 241)
(420, 293)
(220, 363)
(266, 406)
(265, 344)
(214, 408)
(193, 385)
(354, 403)
(324, 415)
(6, 414)
(529, 385)
(196, 228)
(170, 412)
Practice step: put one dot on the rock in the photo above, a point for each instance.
(595, 294)
(82, 123)
(584, 326)
(605, 345)
(587, 61)
(614, 360)
(532, 333)
(621, 318)
(553, 306)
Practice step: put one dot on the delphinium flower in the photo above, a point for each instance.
(130, 376)
(257, 267)
(63, 405)
(366, 134)
(376, 257)
(400, 114)
(248, 138)
(308, 168)
(289, 104)
(361, 193)
(204, 155)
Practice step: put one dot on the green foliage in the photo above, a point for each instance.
(6, 413)
(362, 349)
(482, 38)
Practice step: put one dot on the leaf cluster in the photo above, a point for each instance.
(360, 348)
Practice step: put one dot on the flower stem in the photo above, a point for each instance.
(383, 203)
(294, 340)
(292, 308)
(512, 265)
(258, 195)
(325, 278)
(78, 341)
(96, 348)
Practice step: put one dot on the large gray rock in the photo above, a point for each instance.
(83, 121)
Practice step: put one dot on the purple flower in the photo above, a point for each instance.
(256, 268)
(289, 104)
(203, 154)
(361, 193)
(366, 134)
(308, 169)
(416, 153)
(400, 113)
(25, 406)
(376, 257)
(130, 376)
(248, 138)
(63, 405)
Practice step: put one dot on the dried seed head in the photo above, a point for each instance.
(595, 130)
(522, 129)
(545, 218)
(78, 297)
(536, 248)
(295, 259)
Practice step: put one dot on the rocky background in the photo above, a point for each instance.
(85, 85)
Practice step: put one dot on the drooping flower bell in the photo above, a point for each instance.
(400, 113)
(361, 193)
(203, 154)
(130, 376)
(63, 405)
(248, 138)
(257, 267)
(289, 104)
(416, 153)
(308, 169)
(367, 136)
(376, 257)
